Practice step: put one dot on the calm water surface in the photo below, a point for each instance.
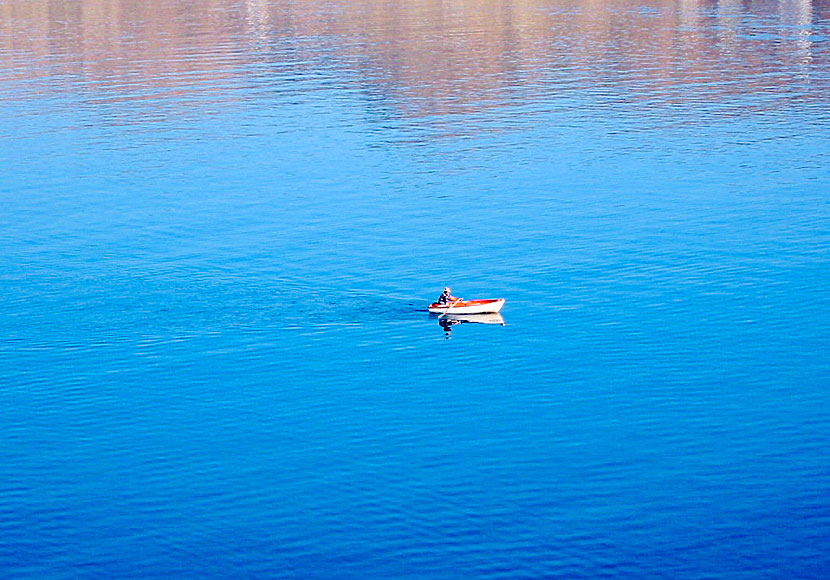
(221, 223)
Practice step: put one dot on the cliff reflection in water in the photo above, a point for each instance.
(427, 57)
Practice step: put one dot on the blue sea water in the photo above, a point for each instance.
(221, 225)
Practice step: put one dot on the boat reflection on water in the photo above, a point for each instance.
(447, 321)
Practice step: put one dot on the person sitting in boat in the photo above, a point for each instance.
(447, 297)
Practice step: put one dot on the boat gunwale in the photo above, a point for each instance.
(478, 302)
(480, 306)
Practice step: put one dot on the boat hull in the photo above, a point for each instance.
(469, 307)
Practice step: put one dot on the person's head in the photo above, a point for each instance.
(447, 290)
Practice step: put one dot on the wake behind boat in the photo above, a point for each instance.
(468, 306)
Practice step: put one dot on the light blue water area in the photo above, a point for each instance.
(221, 229)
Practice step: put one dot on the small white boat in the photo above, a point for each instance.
(468, 307)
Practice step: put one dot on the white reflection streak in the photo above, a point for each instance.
(729, 12)
(799, 15)
(689, 12)
(257, 18)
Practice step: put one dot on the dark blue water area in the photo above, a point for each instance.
(216, 360)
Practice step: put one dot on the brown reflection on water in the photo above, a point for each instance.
(430, 56)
